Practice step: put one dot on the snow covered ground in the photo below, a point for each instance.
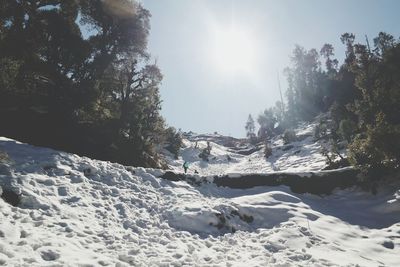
(300, 156)
(81, 212)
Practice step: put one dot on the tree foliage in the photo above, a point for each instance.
(361, 96)
(75, 75)
(173, 141)
(267, 121)
(250, 128)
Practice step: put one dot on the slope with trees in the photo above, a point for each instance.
(361, 96)
(75, 75)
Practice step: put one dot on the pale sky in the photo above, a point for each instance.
(220, 58)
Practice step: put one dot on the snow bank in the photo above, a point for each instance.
(75, 211)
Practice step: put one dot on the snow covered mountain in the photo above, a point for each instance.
(59, 209)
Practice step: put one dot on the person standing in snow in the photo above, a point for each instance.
(185, 166)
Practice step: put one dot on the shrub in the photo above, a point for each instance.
(334, 159)
(174, 141)
(206, 152)
(289, 136)
(267, 150)
(378, 148)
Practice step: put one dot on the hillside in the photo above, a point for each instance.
(75, 211)
(302, 155)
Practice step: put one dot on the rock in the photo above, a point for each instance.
(49, 255)
(11, 197)
(388, 244)
(77, 179)
(63, 191)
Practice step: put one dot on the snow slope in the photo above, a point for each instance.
(300, 156)
(81, 212)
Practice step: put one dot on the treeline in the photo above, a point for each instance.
(361, 97)
(76, 76)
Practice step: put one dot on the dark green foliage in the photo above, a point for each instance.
(377, 108)
(95, 95)
(131, 96)
(378, 147)
(173, 141)
(363, 96)
(289, 136)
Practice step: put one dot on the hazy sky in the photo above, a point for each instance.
(209, 86)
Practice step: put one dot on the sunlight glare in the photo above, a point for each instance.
(234, 51)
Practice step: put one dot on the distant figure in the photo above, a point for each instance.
(185, 166)
(196, 172)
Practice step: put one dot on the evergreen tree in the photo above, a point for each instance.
(173, 141)
(267, 121)
(327, 51)
(250, 128)
(377, 79)
(75, 75)
(305, 86)
(279, 112)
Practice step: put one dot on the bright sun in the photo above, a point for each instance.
(234, 51)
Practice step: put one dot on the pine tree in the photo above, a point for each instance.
(250, 128)
(267, 121)
(95, 95)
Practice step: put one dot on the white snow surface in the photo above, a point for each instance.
(76, 211)
(299, 156)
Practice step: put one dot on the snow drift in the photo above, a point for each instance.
(74, 211)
